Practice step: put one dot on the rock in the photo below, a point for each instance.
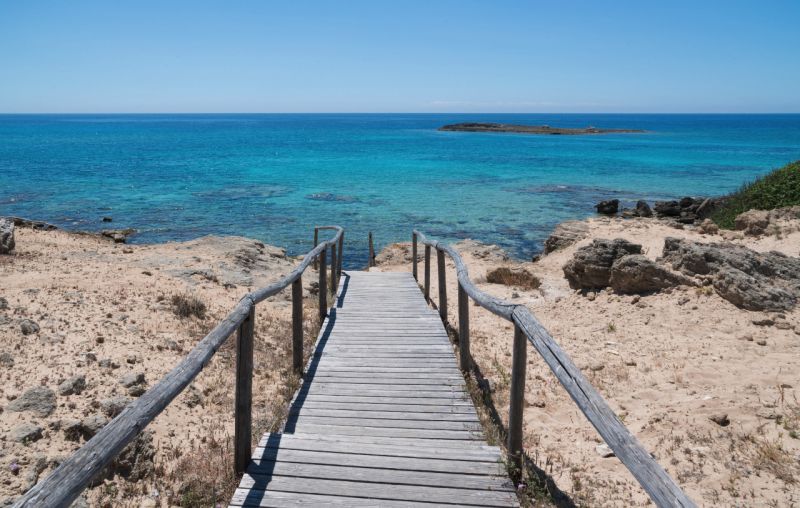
(73, 385)
(720, 419)
(590, 267)
(107, 219)
(609, 207)
(635, 299)
(131, 379)
(73, 430)
(638, 274)
(667, 208)
(91, 425)
(6, 360)
(26, 433)
(591, 296)
(40, 400)
(118, 235)
(28, 327)
(565, 234)
(137, 390)
(752, 222)
(3, 303)
(596, 367)
(643, 209)
(761, 342)
(113, 406)
(604, 451)
(763, 322)
(748, 279)
(708, 227)
(7, 242)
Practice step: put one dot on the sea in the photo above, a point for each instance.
(273, 177)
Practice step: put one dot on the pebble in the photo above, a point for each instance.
(635, 299)
(597, 367)
(604, 451)
(762, 342)
(591, 295)
(720, 419)
(28, 327)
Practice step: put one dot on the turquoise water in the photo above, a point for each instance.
(273, 177)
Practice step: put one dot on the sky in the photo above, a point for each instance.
(400, 56)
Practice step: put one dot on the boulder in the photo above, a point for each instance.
(637, 274)
(590, 267)
(643, 209)
(28, 327)
(609, 207)
(768, 281)
(667, 208)
(752, 222)
(40, 400)
(26, 433)
(113, 406)
(7, 242)
(91, 425)
(565, 234)
(73, 385)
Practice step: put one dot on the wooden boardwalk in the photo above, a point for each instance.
(382, 418)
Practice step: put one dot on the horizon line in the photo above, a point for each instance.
(2, 113)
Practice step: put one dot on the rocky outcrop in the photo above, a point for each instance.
(590, 267)
(118, 235)
(748, 279)
(636, 274)
(687, 210)
(609, 207)
(40, 401)
(761, 222)
(565, 234)
(7, 242)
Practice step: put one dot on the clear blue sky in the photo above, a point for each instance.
(400, 56)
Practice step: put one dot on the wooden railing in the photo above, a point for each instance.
(66, 483)
(661, 488)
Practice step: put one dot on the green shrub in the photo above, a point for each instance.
(775, 190)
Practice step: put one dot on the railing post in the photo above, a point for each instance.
(414, 256)
(316, 241)
(244, 392)
(297, 326)
(428, 273)
(517, 403)
(339, 270)
(323, 286)
(464, 358)
(371, 251)
(334, 267)
(442, 285)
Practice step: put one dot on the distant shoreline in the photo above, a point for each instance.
(531, 129)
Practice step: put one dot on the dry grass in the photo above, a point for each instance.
(517, 277)
(186, 305)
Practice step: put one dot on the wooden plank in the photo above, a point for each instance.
(275, 499)
(374, 408)
(389, 415)
(261, 474)
(244, 391)
(364, 422)
(418, 445)
(391, 462)
(395, 399)
(417, 493)
(344, 430)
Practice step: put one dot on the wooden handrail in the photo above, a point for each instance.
(67, 481)
(661, 488)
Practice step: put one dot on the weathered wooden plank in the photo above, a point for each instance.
(244, 391)
(375, 408)
(379, 431)
(394, 399)
(259, 476)
(275, 499)
(417, 445)
(389, 415)
(365, 421)
(377, 461)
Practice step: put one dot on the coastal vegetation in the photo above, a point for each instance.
(780, 188)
